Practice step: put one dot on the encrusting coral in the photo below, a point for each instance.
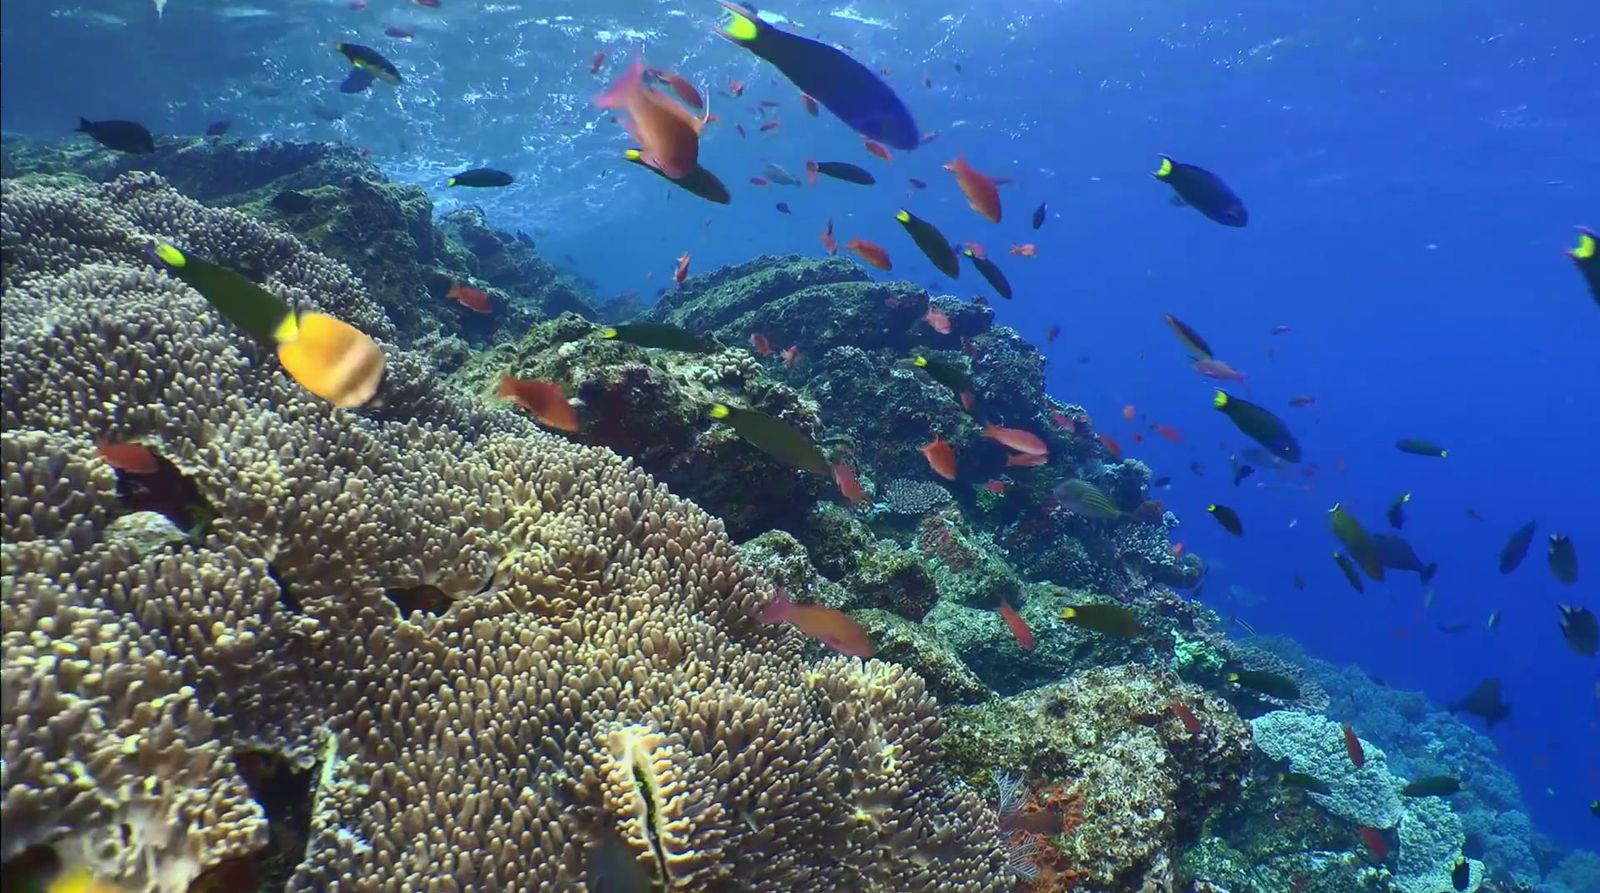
(584, 693)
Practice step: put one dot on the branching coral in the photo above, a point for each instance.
(594, 696)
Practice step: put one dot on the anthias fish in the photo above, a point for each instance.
(842, 85)
(544, 400)
(326, 356)
(980, 190)
(829, 626)
(1204, 191)
(667, 133)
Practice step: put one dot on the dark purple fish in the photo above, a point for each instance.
(917, 184)
(1038, 215)
(783, 207)
(218, 128)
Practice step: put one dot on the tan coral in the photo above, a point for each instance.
(595, 651)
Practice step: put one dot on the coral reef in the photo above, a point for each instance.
(580, 691)
(1314, 745)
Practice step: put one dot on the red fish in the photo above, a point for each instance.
(1027, 250)
(667, 134)
(1138, 437)
(831, 627)
(736, 87)
(770, 125)
(473, 299)
(1376, 845)
(937, 320)
(849, 484)
(810, 104)
(811, 171)
(996, 486)
(762, 346)
(1051, 334)
(1064, 421)
(941, 458)
(682, 272)
(791, 357)
(544, 400)
(978, 187)
(1352, 745)
(1112, 447)
(758, 181)
(1191, 723)
(681, 86)
(978, 251)
(1016, 439)
(1168, 432)
(599, 60)
(1177, 550)
(133, 458)
(1018, 626)
(1300, 400)
(1128, 412)
(871, 253)
(879, 149)
(1213, 368)
(1026, 460)
(828, 241)
(968, 400)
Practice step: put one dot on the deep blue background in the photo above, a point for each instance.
(1413, 171)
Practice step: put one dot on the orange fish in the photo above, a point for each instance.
(871, 253)
(937, 320)
(1127, 412)
(968, 400)
(979, 189)
(849, 484)
(1352, 745)
(133, 458)
(831, 627)
(1026, 460)
(1168, 432)
(1177, 550)
(599, 60)
(941, 458)
(682, 272)
(544, 400)
(1051, 334)
(770, 125)
(471, 298)
(828, 240)
(1017, 439)
(762, 346)
(810, 104)
(1028, 250)
(811, 172)
(681, 86)
(996, 486)
(667, 134)
(1019, 627)
(1376, 845)
(736, 87)
(1064, 421)
(1191, 723)
(1137, 437)
(1112, 447)
(791, 357)
(879, 149)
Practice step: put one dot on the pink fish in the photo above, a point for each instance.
(831, 627)
(1213, 368)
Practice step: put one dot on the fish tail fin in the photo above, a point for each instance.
(777, 610)
(83, 125)
(624, 89)
(1429, 571)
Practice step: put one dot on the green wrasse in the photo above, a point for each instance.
(931, 242)
(776, 438)
(660, 336)
(1278, 686)
(1416, 446)
(1356, 541)
(1432, 786)
(1112, 620)
(1259, 424)
(1304, 782)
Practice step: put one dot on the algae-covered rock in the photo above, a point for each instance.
(1111, 733)
(916, 646)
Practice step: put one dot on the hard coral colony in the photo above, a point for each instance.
(324, 569)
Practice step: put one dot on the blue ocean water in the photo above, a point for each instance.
(1413, 171)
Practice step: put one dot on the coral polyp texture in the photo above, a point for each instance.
(497, 660)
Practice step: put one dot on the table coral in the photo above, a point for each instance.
(594, 693)
(1315, 745)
